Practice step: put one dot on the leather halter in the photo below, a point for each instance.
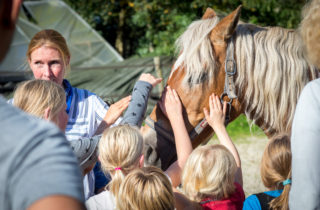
(229, 86)
(229, 91)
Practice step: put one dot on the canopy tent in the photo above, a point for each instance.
(88, 48)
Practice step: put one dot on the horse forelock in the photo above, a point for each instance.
(196, 54)
(272, 71)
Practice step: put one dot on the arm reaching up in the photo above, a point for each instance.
(171, 105)
(139, 100)
(216, 118)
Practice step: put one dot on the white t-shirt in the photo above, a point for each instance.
(103, 201)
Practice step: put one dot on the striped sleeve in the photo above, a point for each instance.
(100, 109)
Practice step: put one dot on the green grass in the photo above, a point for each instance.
(239, 130)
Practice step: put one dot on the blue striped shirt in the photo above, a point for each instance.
(86, 112)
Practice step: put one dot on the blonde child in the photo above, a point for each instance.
(121, 151)
(212, 175)
(275, 175)
(43, 99)
(46, 100)
(146, 188)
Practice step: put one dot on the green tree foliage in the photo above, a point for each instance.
(150, 27)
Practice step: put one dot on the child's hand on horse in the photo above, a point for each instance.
(217, 114)
(150, 79)
(171, 104)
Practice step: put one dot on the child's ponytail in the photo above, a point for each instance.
(120, 150)
(282, 202)
(276, 170)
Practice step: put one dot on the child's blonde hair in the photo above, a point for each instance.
(35, 96)
(144, 189)
(276, 168)
(209, 172)
(120, 149)
(310, 30)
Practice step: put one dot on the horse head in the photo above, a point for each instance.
(259, 71)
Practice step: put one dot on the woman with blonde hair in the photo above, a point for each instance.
(212, 175)
(121, 151)
(49, 57)
(146, 188)
(275, 175)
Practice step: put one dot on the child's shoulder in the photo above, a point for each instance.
(104, 200)
(234, 201)
(251, 202)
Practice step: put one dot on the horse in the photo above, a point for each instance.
(259, 71)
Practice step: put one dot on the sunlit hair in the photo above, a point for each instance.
(146, 188)
(276, 168)
(209, 172)
(35, 96)
(310, 30)
(53, 39)
(196, 51)
(120, 147)
(271, 69)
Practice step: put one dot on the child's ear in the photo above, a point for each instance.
(46, 113)
(141, 161)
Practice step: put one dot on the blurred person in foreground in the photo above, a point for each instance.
(305, 142)
(33, 153)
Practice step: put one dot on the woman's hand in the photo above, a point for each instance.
(116, 109)
(150, 79)
(216, 116)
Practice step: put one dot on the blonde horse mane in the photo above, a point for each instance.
(196, 51)
(272, 69)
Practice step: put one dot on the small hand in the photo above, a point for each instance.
(116, 109)
(150, 79)
(217, 115)
(171, 104)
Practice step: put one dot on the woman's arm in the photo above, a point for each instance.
(216, 118)
(171, 105)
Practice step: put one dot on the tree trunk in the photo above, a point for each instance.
(119, 39)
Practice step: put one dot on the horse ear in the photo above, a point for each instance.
(208, 14)
(225, 28)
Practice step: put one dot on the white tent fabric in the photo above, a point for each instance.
(88, 48)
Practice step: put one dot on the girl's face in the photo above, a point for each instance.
(46, 63)
(61, 119)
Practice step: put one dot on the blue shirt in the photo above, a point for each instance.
(252, 202)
